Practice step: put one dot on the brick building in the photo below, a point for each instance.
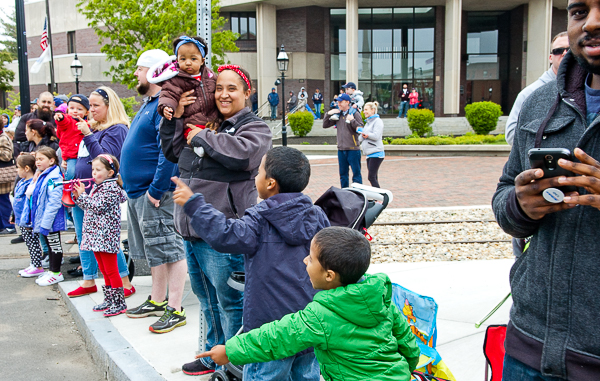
(453, 52)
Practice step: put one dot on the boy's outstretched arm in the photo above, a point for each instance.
(407, 343)
(234, 236)
(276, 340)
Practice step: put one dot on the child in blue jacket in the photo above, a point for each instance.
(43, 214)
(274, 237)
(26, 170)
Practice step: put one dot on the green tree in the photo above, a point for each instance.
(6, 75)
(8, 33)
(127, 28)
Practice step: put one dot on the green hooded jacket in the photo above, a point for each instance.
(356, 331)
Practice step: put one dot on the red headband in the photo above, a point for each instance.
(236, 68)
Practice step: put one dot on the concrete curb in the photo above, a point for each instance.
(114, 355)
(418, 150)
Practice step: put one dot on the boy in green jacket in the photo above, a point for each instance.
(355, 329)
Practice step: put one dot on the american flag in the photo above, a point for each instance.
(44, 39)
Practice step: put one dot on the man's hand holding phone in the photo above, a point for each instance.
(589, 169)
(529, 186)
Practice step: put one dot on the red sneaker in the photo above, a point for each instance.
(82, 291)
(129, 292)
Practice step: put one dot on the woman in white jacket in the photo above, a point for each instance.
(371, 141)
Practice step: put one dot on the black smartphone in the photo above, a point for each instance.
(547, 160)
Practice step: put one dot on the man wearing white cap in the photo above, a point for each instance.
(151, 232)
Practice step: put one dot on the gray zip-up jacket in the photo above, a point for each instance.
(554, 321)
(347, 137)
(374, 143)
(513, 117)
(225, 174)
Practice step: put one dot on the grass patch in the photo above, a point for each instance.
(469, 138)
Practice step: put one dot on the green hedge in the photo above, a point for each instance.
(301, 122)
(469, 138)
(419, 121)
(483, 116)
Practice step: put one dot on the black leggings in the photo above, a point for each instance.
(373, 164)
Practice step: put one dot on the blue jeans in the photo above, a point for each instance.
(294, 368)
(414, 106)
(318, 110)
(403, 109)
(221, 304)
(273, 112)
(514, 370)
(352, 159)
(88, 260)
(70, 174)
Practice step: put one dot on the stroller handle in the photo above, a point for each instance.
(377, 194)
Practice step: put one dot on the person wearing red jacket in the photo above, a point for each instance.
(68, 134)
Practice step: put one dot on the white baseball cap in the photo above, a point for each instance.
(152, 57)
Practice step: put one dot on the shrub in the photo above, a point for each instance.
(483, 116)
(449, 140)
(129, 104)
(301, 122)
(419, 121)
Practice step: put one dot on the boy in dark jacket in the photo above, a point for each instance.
(356, 330)
(274, 237)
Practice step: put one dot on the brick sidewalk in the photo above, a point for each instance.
(422, 181)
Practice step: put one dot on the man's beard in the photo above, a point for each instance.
(594, 69)
(143, 88)
(44, 114)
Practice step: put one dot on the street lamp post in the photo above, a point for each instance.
(76, 70)
(282, 64)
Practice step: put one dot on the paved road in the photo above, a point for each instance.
(422, 181)
(38, 339)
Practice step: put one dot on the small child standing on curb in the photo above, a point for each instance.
(102, 228)
(26, 170)
(274, 237)
(357, 332)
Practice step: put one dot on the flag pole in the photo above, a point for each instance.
(52, 84)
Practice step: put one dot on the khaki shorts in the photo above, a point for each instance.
(151, 231)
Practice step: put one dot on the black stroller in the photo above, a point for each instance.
(356, 207)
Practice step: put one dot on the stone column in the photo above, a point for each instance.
(352, 41)
(266, 51)
(539, 34)
(452, 57)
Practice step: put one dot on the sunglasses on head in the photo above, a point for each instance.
(558, 51)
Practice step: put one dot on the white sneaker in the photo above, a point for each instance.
(49, 279)
(26, 269)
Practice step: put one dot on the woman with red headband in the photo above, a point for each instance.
(232, 147)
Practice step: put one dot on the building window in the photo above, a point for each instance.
(71, 47)
(395, 46)
(245, 24)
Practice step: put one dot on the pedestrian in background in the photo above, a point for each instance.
(273, 99)
(292, 102)
(413, 98)
(254, 101)
(302, 98)
(317, 99)
(404, 93)
(371, 141)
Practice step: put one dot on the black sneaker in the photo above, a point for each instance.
(170, 320)
(19, 239)
(196, 368)
(149, 307)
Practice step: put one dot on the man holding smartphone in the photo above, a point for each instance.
(554, 327)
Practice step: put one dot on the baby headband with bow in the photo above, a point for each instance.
(188, 40)
(110, 161)
(236, 68)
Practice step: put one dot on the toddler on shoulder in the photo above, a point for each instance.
(68, 133)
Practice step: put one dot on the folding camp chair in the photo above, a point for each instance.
(493, 349)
